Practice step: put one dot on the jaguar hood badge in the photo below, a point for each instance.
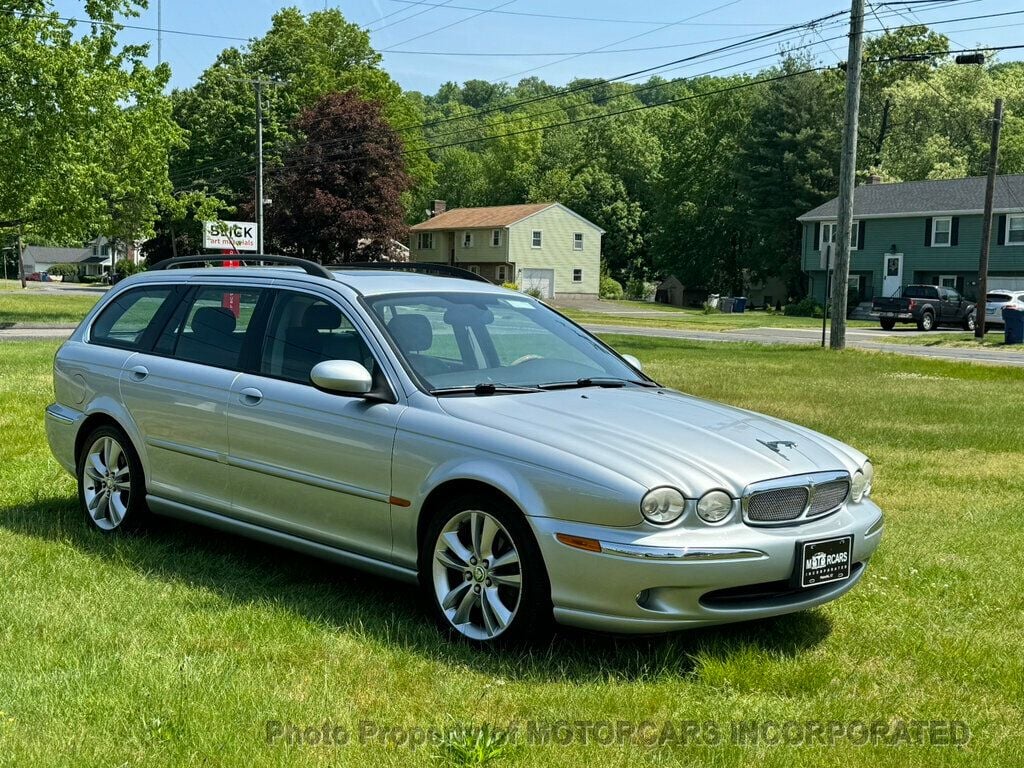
(776, 446)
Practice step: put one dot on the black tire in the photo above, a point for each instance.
(926, 322)
(970, 321)
(532, 620)
(126, 508)
(888, 323)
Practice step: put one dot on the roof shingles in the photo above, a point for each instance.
(480, 218)
(925, 198)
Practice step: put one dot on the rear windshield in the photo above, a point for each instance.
(921, 292)
(1003, 297)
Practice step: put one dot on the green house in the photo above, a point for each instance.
(920, 232)
(540, 246)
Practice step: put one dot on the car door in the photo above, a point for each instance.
(304, 461)
(178, 394)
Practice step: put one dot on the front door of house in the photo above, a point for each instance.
(892, 273)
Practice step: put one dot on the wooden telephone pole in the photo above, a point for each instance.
(847, 179)
(986, 222)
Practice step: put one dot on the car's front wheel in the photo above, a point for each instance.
(969, 322)
(111, 489)
(483, 575)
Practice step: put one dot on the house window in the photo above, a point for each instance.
(830, 231)
(1015, 230)
(474, 269)
(941, 227)
(495, 237)
(467, 239)
(425, 241)
(502, 273)
(537, 238)
(577, 241)
(577, 275)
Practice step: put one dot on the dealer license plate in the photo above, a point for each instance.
(822, 562)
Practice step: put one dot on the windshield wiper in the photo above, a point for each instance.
(607, 383)
(484, 388)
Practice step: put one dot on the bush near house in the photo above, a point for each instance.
(611, 289)
(126, 268)
(806, 307)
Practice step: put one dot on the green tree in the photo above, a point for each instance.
(86, 129)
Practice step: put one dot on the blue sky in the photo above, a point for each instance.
(571, 47)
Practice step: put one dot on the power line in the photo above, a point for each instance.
(453, 24)
(410, 16)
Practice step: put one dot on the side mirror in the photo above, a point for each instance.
(346, 377)
(633, 362)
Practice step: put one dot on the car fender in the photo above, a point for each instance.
(105, 405)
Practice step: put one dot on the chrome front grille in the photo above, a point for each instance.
(777, 506)
(827, 497)
(793, 500)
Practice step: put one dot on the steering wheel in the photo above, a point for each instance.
(524, 359)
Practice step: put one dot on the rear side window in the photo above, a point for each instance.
(921, 292)
(999, 297)
(125, 320)
(212, 329)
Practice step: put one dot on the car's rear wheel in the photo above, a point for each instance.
(483, 575)
(927, 322)
(111, 489)
(888, 323)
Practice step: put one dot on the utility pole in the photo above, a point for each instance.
(847, 180)
(21, 261)
(986, 221)
(258, 84)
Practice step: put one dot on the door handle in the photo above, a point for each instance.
(139, 372)
(250, 396)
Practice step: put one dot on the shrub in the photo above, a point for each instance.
(637, 290)
(510, 286)
(534, 292)
(610, 289)
(708, 309)
(126, 268)
(806, 307)
(89, 278)
(67, 271)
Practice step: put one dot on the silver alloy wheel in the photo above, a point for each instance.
(106, 483)
(477, 575)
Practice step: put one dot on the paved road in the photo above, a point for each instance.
(857, 339)
(870, 339)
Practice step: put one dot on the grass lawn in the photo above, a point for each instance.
(695, 319)
(178, 646)
(38, 308)
(993, 340)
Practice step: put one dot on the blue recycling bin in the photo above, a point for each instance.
(1013, 325)
(739, 304)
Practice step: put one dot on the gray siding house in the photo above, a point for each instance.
(920, 232)
(540, 246)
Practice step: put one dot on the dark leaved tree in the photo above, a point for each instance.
(338, 195)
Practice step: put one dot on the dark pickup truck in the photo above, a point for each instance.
(927, 305)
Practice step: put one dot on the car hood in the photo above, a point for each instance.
(660, 436)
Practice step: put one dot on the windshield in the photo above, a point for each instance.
(465, 340)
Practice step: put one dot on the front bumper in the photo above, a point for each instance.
(644, 582)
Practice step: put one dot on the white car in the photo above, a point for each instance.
(996, 300)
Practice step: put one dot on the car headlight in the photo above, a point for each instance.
(861, 485)
(714, 506)
(662, 505)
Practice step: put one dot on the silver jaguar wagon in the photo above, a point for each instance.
(441, 430)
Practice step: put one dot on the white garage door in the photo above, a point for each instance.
(1006, 283)
(542, 280)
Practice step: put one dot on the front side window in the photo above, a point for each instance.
(454, 340)
(1015, 230)
(495, 237)
(577, 241)
(941, 228)
(212, 329)
(537, 238)
(305, 330)
(125, 320)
